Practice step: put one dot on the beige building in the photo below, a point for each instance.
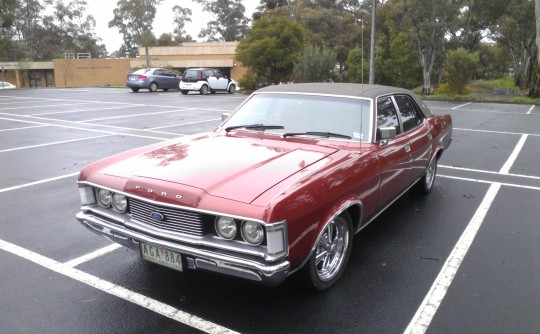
(85, 72)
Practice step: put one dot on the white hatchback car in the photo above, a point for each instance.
(205, 80)
(6, 85)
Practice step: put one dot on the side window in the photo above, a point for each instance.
(209, 73)
(218, 74)
(387, 114)
(409, 112)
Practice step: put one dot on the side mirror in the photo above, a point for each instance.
(384, 134)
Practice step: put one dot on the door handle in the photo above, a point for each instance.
(429, 136)
(407, 148)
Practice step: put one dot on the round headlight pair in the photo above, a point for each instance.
(106, 199)
(252, 232)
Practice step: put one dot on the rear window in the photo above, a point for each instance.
(142, 71)
(192, 74)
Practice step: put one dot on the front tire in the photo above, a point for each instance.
(232, 89)
(332, 252)
(153, 87)
(185, 92)
(425, 184)
(135, 89)
(165, 89)
(204, 90)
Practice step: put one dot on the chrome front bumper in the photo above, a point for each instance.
(196, 258)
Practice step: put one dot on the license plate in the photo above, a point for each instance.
(161, 256)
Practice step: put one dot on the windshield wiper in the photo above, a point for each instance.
(255, 127)
(317, 133)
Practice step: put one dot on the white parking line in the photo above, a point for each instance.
(508, 164)
(38, 182)
(498, 132)
(53, 143)
(489, 172)
(25, 128)
(93, 255)
(427, 310)
(530, 110)
(116, 290)
(462, 105)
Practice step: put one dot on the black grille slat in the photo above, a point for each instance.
(176, 220)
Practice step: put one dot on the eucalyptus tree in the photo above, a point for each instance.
(430, 22)
(516, 28)
(134, 19)
(181, 17)
(534, 91)
(229, 24)
(315, 64)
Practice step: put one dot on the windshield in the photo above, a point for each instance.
(296, 114)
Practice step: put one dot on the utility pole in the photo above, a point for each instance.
(372, 48)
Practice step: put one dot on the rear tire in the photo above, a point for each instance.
(184, 92)
(204, 90)
(165, 89)
(232, 89)
(425, 184)
(153, 87)
(135, 89)
(332, 251)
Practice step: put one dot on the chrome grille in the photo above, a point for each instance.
(175, 220)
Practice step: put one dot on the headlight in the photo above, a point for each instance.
(104, 198)
(226, 227)
(119, 202)
(252, 232)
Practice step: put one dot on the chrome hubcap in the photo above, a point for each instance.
(331, 249)
(430, 174)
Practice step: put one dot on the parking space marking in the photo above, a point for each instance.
(46, 106)
(90, 256)
(427, 310)
(25, 128)
(498, 132)
(75, 111)
(84, 129)
(38, 182)
(489, 172)
(508, 164)
(116, 290)
(182, 124)
(530, 110)
(135, 115)
(489, 182)
(53, 143)
(462, 105)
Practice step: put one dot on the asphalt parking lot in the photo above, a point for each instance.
(465, 259)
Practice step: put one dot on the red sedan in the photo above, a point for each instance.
(279, 187)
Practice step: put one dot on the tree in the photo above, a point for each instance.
(7, 19)
(357, 66)
(181, 16)
(229, 22)
(460, 66)
(534, 91)
(134, 19)
(315, 64)
(430, 22)
(271, 48)
(517, 29)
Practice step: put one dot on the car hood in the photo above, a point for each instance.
(230, 167)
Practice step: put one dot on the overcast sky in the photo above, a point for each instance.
(102, 10)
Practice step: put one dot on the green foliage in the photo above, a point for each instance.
(315, 64)
(134, 19)
(230, 24)
(271, 48)
(356, 69)
(460, 66)
(396, 62)
(248, 82)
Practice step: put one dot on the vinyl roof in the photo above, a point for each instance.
(343, 89)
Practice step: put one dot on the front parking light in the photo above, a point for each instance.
(87, 195)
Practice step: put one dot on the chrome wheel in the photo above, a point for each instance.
(153, 87)
(425, 184)
(328, 261)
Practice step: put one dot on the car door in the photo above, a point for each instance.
(394, 155)
(217, 81)
(417, 129)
